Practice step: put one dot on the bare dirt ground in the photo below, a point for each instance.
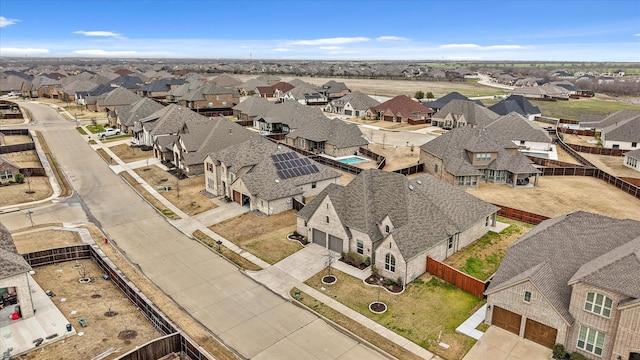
(579, 140)
(45, 239)
(13, 194)
(17, 139)
(11, 121)
(184, 193)
(613, 165)
(129, 154)
(558, 195)
(564, 156)
(27, 158)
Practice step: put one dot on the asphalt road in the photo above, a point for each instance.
(245, 315)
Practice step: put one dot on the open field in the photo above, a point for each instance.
(265, 238)
(573, 108)
(428, 308)
(558, 195)
(482, 257)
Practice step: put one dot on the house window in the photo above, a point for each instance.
(460, 180)
(301, 143)
(390, 263)
(224, 103)
(521, 142)
(6, 174)
(435, 168)
(217, 97)
(527, 296)
(598, 304)
(634, 144)
(386, 229)
(327, 219)
(486, 221)
(483, 156)
(305, 223)
(210, 104)
(590, 340)
(632, 162)
(450, 243)
(360, 247)
(313, 185)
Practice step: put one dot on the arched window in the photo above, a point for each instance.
(390, 263)
(598, 304)
(386, 229)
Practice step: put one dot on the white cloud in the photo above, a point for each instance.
(331, 41)
(98, 33)
(281, 49)
(638, 34)
(98, 52)
(392, 38)
(478, 47)
(6, 22)
(22, 51)
(330, 47)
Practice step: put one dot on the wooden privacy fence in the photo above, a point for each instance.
(8, 132)
(413, 169)
(6, 149)
(33, 171)
(520, 215)
(456, 277)
(159, 321)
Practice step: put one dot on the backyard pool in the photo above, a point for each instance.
(536, 154)
(352, 160)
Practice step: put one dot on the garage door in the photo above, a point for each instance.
(335, 244)
(237, 197)
(319, 237)
(506, 319)
(540, 333)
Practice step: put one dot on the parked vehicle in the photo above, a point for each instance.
(108, 132)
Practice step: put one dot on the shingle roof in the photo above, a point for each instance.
(254, 106)
(611, 119)
(626, 130)
(128, 114)
(4, 160)
(580, 246)
(441, 102)
(633, 153)
(454, 147)
(515, 127)
(473, 113)
(357, 100)
(118, 96)
(403, 106)
(161, 85)
(170, 120)
(374, 194)
(226, 80)
(515, 103)
(292, 113)
(332, 131)
(12, 263)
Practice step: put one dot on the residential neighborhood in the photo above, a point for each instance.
(283, 188)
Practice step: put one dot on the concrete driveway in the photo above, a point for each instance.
(499, 344)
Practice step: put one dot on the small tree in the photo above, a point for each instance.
(419, 95)
(19, 178)
(430, 95)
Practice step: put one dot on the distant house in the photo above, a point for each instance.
(396, 222)
(334, 90)
(400, 109)
(251, 108)
(210, 99)
(8, 170)
(632, 159)
(352, 104)
(545, 92)
(572, 280)
(264, 176)
(164, 123)
(114, 98)
(128, 115)
(14, 274)
(517, 104)
(441, 102)
(467, 156)
(159, 89)
(620, 130)
(273, 91)
(305, 94)
(463, 113)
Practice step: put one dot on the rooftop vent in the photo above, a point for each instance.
(419, 182)
(411, 187)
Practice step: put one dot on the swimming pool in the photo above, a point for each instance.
(352, 160)
(536, 154)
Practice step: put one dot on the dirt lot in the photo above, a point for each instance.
(27, 158)
(17, 193)
(11, 121)
(17, 139)
(397, 157)
(557, 195)
(129, 154)
(611, 164)
(185, 193)
(45, 239)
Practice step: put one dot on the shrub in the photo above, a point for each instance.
(374, 270)
(577, 356)
(399, 281)
(558, 351)
(19, 178)
(388, 282)
(352, 258)
(367, 261)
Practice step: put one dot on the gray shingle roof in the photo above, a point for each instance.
(441, 102)
(128, 114)
(170, 120)
(454, 147)
(472, 112)
(612, 119)
(332, 131)
(357, 100)
(515, 103)
(118, 96)
(579, 246)
(374, 194)
(515, 127)
(633, 153)
(626, 130)
(12, 263)
(254, 106)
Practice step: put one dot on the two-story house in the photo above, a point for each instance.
(395, 221)
(352, 104)
(463, 113)
(211, 100)
(573, 280)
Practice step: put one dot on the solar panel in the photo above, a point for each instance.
(290, 164)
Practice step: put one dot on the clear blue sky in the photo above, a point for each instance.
(350, 30)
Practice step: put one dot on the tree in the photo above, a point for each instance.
(19, 178)
(419, 95)
(430, 95)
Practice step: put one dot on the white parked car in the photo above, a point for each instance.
(108, 132)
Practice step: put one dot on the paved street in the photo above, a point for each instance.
(244, 314)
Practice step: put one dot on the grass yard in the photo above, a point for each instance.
(129, 153)
(572, 109)
(184, 193)
(45, 239)
(482, 258)
(230, 255)
(17, 139)
(151, 199)
(265, 238)
(97, 128)
(116, 138)
(81, 131)
(13, 194)
(428, 311)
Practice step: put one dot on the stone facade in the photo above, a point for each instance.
(433, 165)
(627, 339)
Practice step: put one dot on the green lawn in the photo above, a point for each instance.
(117, 137)
(81, 131)
(429, 309)
(573, 108)
(95, 128)
(482, 258)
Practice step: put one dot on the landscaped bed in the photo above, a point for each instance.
(265, 238)
(482, 258)
(427, 312)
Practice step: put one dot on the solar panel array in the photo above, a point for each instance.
(289, 165)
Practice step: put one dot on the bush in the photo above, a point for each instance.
(19, 178)
(577, 356)
(374, 270)
(367, 261)
(352, 258)
(559, 352)
(388, 282)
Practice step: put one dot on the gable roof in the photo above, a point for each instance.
(627, 130)
(515, 103)
(579, 246)
(4, 160)
(375, 194)
(403, 106)
(254, 106)
(170, 120)
(441, 102)
(128, 114)
(332, 131)
(515, 127)
(473, 113)
(633, 153)
(225, 80)
(118, 96)
(454, 147)
(357, 100)
(161, 85)
(611, 119)
(12, 263)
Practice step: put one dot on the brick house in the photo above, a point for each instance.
(463, 113)
(8, 170)
(352, 104)
(396, 222)
(573, 280)
(400, 109)
(14, 273)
